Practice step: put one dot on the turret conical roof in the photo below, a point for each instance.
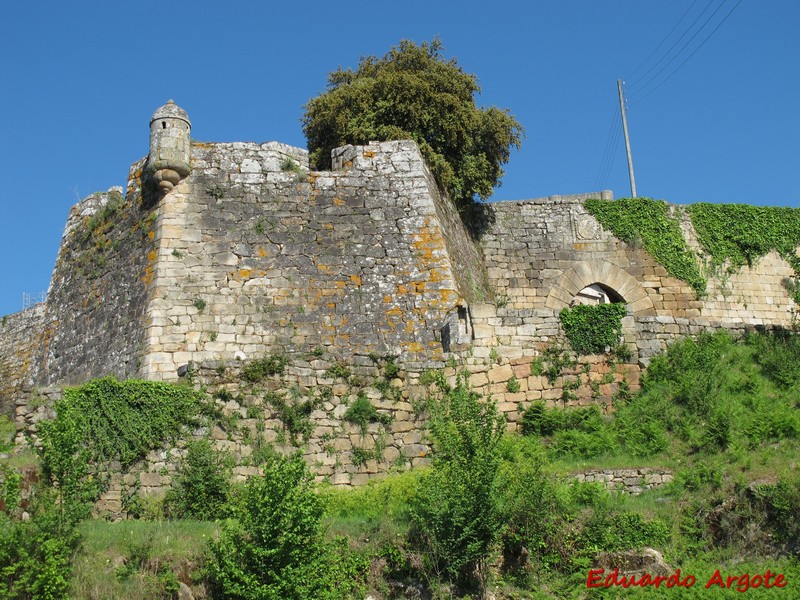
(172, 111)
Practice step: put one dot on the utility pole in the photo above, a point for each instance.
(627, 139)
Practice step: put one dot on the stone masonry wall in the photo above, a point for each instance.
(95, 308)
(18, 335)
(255, 255)
(540, 253)
(345, 272)
(630, 481)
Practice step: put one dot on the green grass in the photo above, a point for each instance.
(175, 545)
(377, 511)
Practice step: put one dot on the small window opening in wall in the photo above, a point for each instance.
(163, 124)
(463, 327)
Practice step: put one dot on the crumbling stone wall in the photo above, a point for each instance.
(630, 481)
(18, 336)
(252, 255)
(94, 315)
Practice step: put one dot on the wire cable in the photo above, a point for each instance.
(692, 54)
(678, 41)
(606, 150)
(610, 151)
(666, 37)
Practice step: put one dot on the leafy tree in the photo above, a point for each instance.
(457, 515)
(414, 93)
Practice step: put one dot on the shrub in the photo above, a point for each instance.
(275, 548)
(35, 554)
(531, 508)
(202, 489)
(456, 515)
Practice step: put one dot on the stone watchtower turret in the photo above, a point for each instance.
(170, 146)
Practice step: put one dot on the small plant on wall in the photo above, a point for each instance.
(592, 329)
(362, 412)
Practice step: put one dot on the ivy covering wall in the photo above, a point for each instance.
(730, 234)
(740, 234)
(647, 222)
(106, 420)
(591, 329)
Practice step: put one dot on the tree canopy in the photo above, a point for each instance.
(414, 93)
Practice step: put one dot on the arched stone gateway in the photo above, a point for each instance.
(590, 272)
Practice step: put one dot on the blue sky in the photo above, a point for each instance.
(79, 81)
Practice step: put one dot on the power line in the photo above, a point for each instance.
(610, 151)
(671, 60)
(666, 37)
(668, 77)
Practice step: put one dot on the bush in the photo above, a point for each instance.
(532, 510)
(413, 93)
(593, 329)
(35, 554)
(456, 515)
(274, 548)
(778, 354)
(202, 489)
(537, 419)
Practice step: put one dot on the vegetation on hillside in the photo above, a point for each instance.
(495, 511)
(414, 93)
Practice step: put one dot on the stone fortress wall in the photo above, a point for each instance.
(235, 251)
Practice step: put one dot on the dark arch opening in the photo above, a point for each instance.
(597, 293)
(163, 124)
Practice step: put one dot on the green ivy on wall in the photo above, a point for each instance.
(647, 222)
(740, 234)
(107, 420)
(592, 328)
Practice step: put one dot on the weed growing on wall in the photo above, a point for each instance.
(552, 362)
(257, 370)
(647, 222)
(593, 329)
(362, 412)
(294, 412)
